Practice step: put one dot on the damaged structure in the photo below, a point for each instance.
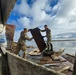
(11, 64)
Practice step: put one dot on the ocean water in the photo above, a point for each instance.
(69, 46)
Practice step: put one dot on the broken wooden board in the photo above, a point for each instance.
(62, 65)
(55, 55)
(35, 52)
(38, 39)
(67, 63)
(64, 68)
(48, 60)
(69, 57)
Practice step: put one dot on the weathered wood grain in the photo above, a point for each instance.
(20, 66)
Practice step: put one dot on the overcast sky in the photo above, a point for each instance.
(59, 15)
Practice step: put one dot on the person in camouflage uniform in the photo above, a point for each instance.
(21, 42)
(48, 35)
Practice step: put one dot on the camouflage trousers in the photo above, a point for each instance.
(20, 47)
(49, 44)
(48, 40)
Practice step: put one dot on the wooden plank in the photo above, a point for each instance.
(59, 66)
(20, 66)
(69, 58)
(72, 55)
(47, 60)
(38, 38)
(67, 63)
(4, 66)
(55, 55)
(64, 68)
(74, 68)
(35, 52)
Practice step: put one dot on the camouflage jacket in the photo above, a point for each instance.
(23, 38)
(48, 32)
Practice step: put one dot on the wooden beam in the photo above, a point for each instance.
(64, 68)
(4, 67)
(74, 68)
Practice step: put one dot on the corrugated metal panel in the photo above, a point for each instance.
(5, 9)
(38, 38)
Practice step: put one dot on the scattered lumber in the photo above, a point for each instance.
(64, 68)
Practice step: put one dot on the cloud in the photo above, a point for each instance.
(23, 8)
(24, 21)
(61, 17)
(65, 18)
(66, 7)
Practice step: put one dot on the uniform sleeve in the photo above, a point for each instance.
(27, 38)
(22, 34)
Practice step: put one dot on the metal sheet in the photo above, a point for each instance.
(10, 29)
(38, 39)
(5, 9)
